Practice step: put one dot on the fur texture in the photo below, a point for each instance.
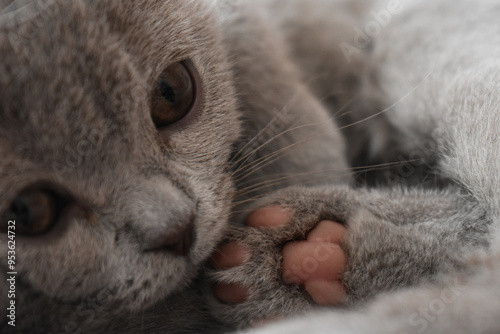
(283, 105)
(439, 75)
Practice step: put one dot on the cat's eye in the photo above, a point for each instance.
(34, 212)
(174, 95)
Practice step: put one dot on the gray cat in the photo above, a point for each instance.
(133, 133)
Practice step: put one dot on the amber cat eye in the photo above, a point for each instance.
(173, 96)
(34, 212)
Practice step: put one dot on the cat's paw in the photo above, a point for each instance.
(315, 263)
(288, 261)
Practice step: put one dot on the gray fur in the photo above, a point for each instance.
(451, 64)
(279, 93)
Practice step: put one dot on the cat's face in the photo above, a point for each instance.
(116, 122)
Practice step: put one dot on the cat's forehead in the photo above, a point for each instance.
(75, 58)
(72, 39)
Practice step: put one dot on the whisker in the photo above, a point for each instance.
(282, 111)
(259, 134)
(357, 169)
(258, 164)
(238, 170)
(390, 107)
(271, 140)
(344, 127)
(252, 199)
(249, 154)
(341, 109)
(269, 159)
(282, 180)
(238, 203)
(253, 139)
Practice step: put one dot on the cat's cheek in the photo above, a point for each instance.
(68, 267)
(215, 194)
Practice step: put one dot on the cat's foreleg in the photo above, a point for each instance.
(394, 239)
(459, 303)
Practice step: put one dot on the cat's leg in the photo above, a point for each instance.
(394, 238)
(460, 304)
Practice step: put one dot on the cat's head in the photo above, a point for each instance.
(116, 123)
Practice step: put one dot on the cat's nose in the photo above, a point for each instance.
(177, 242)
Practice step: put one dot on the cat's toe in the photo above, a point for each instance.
(271, 216)
(318, 263)
(231, 293)
(229, 256)
(233, 255)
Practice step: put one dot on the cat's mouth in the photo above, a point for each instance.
(178, 242)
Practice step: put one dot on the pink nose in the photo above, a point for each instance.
(178, 242)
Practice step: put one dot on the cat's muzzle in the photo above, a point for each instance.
(178, 242)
